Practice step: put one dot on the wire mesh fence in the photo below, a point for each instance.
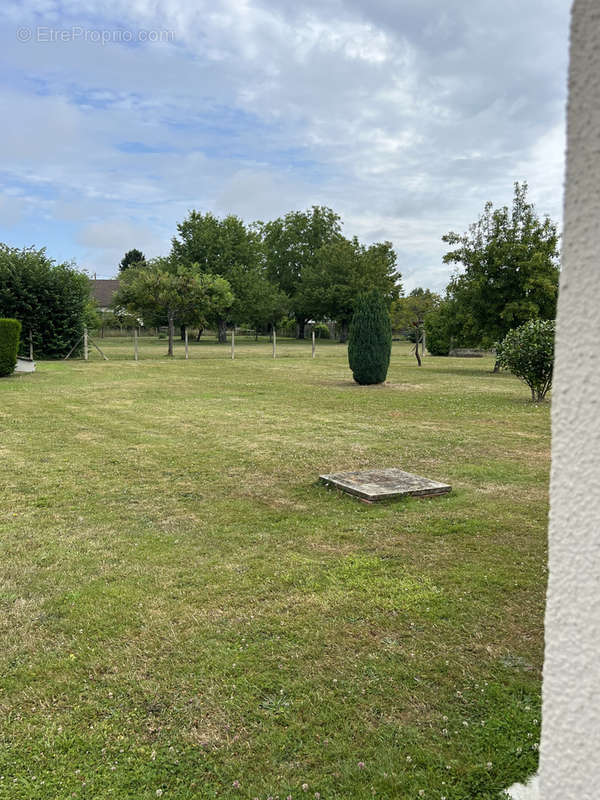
(241, 345)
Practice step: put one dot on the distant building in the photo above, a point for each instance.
(103, 291)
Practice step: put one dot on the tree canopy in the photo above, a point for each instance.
(341, 271)
(225, 247)
(258, 302)
(509, 271)
(185, 294)
(290, 249)
(415, 306)
(132, 258)
(298, 265)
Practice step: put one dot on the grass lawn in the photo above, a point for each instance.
(185, 613)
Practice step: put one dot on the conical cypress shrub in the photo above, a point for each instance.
(370, 341)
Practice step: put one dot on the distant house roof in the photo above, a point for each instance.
(103, 291)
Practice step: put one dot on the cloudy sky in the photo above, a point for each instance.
(404, 116)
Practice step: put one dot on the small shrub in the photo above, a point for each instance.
(437, 334)
(10, 332)
(528, 352)
(370, 342)
(321, 330)
(286, 327)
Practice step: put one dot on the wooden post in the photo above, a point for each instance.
(104, 356)
(135, 343)
(85, 344)
(171, 319)
(73, 348)
(274, 342)
(233, 343)
(187, 349)
(313, 343)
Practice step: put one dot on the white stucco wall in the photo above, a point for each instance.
(570, 747)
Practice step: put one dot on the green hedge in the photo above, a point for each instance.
(50, 300)
(10, 332)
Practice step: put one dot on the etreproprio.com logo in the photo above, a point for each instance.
(77, 33)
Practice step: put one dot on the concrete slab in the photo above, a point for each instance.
(384, 484)
(25, 365)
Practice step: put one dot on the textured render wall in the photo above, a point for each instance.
(570, 748)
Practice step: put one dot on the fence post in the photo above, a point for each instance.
(187, 350)
(233, 343)
(135, 343)
(274, 342)
(85, 343)
(30, 345)
(313, 343)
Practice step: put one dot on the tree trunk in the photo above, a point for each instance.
(170, 317)
(301, 324)
(417, 330)
(417, 352)
(200, 330)
(343, 333)
(182, 332)
(222, 331)
(497, 367)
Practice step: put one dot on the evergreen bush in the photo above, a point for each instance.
(10, 332)
(370, 341)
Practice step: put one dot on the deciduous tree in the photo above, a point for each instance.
(186, 295)
(258, 302)
(225, 247)
(342, 270)
(509, 270)
(416, 305)
(290, 246)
